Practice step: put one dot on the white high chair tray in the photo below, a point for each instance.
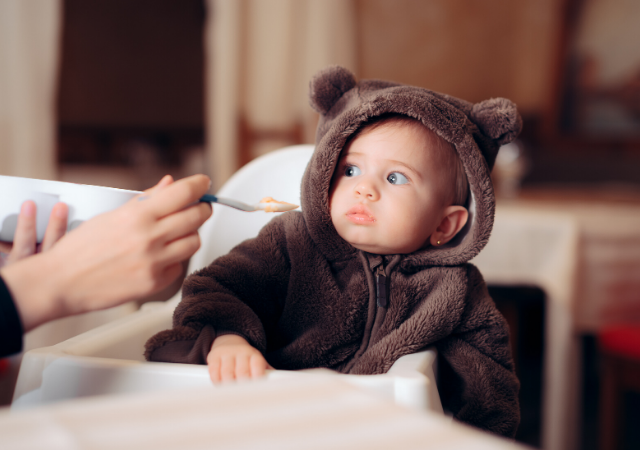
(310, 413)
(108, 360)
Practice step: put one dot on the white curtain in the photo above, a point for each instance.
(260, 58)
(29, 56)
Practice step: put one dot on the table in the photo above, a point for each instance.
(583, 249)
(312, 412)
(608, 255)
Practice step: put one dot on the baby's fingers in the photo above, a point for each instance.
(258, 365)
(227, 368)
(243, 369)
(214, 369)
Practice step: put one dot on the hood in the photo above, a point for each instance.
(476, 131)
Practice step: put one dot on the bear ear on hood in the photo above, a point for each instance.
(328, 86)
(498, 119)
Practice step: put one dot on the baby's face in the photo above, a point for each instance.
(389, 192)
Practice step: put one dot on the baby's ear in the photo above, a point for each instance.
(328, 85)
(454, 220)
(498, 119)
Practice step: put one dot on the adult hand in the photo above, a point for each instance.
(24, 241)
(122, 255)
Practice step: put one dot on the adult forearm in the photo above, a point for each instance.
(36, 290)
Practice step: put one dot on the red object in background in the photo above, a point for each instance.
(619, 348)
(4, 365)
(621, 340)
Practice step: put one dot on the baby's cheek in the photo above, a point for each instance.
(332, 193)
(338, 224)
(334, 206)
(412, 236)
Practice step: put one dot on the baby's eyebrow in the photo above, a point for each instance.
(403, 164)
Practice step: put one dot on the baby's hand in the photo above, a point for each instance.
(233, 358)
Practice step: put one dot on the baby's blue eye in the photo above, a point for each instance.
(351, 171)
(397, 178)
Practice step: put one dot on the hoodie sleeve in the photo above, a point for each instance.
(239, 293)
(478, 383)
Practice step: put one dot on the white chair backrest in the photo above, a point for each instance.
(277, 174)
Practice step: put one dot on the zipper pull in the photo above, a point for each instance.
(381, 288)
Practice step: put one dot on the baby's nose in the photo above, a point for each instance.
(367, 189)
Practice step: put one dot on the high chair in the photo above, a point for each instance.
(109, 359)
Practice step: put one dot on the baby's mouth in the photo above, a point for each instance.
(360, 214)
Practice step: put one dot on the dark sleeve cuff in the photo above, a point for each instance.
(183, 345)
(10, 323)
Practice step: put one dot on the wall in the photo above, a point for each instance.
(467, 48)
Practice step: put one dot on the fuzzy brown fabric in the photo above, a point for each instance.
(306, 298)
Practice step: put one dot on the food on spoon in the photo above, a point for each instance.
(271, 205)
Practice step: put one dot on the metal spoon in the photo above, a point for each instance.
(268, 206)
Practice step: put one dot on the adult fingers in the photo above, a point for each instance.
(177, 196)
(57, 226)
(169, 274)
(5, 247)
(164, 182)
(179, 249)
(184, 222)
(24, 239)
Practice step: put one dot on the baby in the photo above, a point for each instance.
(396, 200)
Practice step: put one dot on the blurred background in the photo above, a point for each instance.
(120, 92)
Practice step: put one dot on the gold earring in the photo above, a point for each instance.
(438, 243)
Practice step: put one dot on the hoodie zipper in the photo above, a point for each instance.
(382, 287)
(382, 295)
(378, 280)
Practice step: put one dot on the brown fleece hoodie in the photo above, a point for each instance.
(305, 298)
